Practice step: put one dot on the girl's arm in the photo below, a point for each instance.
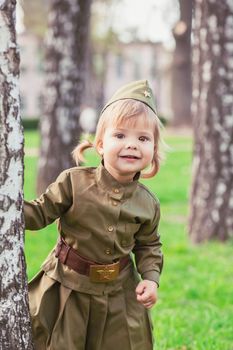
(147, 250)
(50, 205)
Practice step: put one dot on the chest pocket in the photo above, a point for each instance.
(130, 230)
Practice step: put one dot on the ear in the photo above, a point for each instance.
(100, 148)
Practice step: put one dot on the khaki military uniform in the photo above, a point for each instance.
(104, 221)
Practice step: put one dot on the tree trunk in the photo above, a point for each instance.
(65, 67)
(15, 331)
(181, 69)
(212, 188)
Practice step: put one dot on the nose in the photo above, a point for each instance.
(131, 145)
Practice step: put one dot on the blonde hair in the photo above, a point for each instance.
(126, 112)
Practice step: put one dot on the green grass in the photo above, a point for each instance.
(32, 139)
(195, 307)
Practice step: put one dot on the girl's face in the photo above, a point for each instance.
(127, 150)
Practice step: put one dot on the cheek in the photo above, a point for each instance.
(150, 152)
(111, 146)
(108, 149)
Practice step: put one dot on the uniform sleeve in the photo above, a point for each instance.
(147, 250)
(50, 205)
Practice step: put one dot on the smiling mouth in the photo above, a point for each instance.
(129, 157)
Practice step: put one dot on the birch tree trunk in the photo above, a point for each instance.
(181, 69)
(65, 74)
(211, 214)
(15, 330)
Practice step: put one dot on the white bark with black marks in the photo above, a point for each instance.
(15, 331)
(211, 214)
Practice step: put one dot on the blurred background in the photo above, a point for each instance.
(74, 55)
(128, 40)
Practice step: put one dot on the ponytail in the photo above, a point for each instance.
(78, 151)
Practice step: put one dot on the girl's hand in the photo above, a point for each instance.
(146, 292)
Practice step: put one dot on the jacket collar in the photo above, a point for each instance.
(111, 185)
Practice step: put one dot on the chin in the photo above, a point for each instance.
(129, 171)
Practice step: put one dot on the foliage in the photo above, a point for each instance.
(30, 123)
(195, 308)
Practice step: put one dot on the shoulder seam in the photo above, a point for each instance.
(69, 171)
(150, 193)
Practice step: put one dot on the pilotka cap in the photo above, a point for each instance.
(137, 90)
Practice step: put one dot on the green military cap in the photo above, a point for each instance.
(137, 90)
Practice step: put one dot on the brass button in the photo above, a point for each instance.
(110, 228)
(108, 251)
(114, 203)
(116, 190)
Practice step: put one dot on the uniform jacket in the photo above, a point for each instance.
(103, 220)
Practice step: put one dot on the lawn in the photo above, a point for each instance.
(195, 307)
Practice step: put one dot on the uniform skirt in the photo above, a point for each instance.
(66, 319)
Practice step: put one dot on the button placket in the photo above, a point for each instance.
(108, 251)
(110, 228)
(116, 196)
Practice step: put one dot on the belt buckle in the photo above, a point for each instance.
(104, 273)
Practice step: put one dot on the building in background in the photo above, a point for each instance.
(141, 60)
(31, 75)
(131, 61)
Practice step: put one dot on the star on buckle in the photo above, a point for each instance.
(104, 273)
(147, 93)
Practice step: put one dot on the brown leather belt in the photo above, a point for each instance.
(97, 272)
